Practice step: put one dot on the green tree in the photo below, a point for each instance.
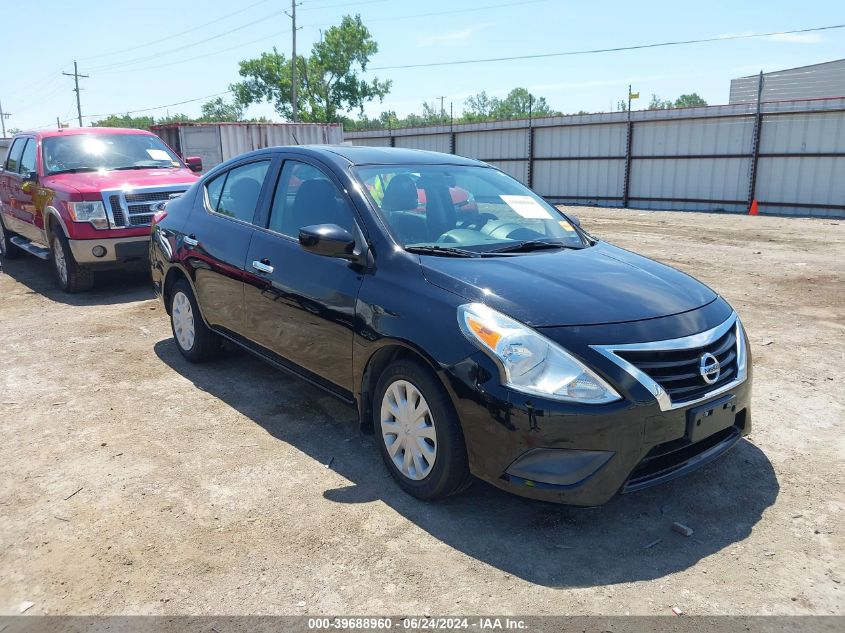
(329, 82)
(519, 103)
(125, 120)
(479, 107)
(174, 118)
(657, 103)
(689, 101)
(218, 109)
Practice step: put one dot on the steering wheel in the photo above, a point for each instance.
(474, 220)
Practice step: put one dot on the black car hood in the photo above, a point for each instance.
(592, 286)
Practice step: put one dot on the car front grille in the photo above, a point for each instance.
(677, 371)
(135, 208)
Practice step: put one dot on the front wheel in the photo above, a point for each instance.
(71, 276)
(418, 432)
(7, 249)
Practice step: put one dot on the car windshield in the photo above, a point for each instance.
(93, 152)
(459, 210)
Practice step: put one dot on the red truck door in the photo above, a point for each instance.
(21, 215)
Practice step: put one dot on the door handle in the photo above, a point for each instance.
(190, 240)
(263, 267)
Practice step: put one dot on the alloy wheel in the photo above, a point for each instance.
(407, 428)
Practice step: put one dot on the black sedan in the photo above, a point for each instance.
(478, 330)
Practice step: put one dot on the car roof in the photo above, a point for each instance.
(345, 155)
(76, 131)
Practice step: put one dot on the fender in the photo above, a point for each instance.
(53, 212)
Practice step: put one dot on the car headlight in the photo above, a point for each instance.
(532, 363)
(93, 212)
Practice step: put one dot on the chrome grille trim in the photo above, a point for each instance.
(131, 208)
(701, 339)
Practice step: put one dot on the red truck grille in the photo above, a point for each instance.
(136, 209)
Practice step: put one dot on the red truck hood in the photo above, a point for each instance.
(96, 181)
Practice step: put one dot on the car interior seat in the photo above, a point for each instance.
(399, 205)
(315, 203)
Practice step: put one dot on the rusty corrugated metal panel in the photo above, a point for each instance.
(239, 138)
(586, 179)
(582, 140)
(706, 179)
(801, 180)
(517, 169)
(493, 145)
(695, 137)
(431, 142)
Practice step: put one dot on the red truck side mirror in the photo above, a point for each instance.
(194, 163)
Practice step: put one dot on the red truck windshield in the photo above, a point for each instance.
(93, 152)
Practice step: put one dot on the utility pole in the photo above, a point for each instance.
(3, 117)
(76, 77)
(442, 110)
(294, 106)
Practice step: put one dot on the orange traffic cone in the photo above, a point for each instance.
(753, 210)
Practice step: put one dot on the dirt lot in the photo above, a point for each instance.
(133, 482)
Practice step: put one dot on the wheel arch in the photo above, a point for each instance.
(53, 218)
(388, 351)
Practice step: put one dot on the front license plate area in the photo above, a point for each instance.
(711, 418)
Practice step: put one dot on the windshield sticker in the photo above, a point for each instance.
(566, 226)
(527, 207)
(159, 154)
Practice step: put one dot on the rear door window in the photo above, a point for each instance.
(14, 157)
(235, 194)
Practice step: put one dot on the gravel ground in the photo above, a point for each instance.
(135, 483)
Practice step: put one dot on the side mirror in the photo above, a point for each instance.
(574, 219)
(28, 182)
(328, 240)
(194, 163)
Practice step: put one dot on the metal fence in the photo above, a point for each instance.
(788, 155)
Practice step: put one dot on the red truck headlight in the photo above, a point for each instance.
(93, 212)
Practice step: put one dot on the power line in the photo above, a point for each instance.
(179, 34)
(167, 105)
(193, 59)
(346, 5)
(452, 11)
(721, 38)
(159, 54)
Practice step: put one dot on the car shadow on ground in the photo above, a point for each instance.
(628, 539)
(110, 287)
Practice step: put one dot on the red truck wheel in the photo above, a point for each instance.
(71, 276)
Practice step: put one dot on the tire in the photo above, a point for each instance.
(7, 249)
(72, 277)
(195, 340)
(437, 466)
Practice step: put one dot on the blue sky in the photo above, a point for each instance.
(128, 49)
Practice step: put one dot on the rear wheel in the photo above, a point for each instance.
(7, 249)
(71, 276)
(418, 432)
(194, 338)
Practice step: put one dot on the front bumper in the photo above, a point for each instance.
(582, 454)
(121, 250)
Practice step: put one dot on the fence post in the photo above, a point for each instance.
(755, 143)
(626, 183)
(530, 169)
(451, 128)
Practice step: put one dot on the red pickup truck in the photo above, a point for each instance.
(84, 198)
